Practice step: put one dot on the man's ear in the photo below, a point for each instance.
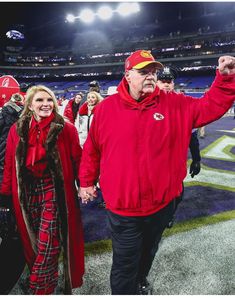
(127, 76)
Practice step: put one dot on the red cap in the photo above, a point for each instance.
(140, 59)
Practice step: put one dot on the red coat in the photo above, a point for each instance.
(68, 111)
(140, 148)
(64, 159)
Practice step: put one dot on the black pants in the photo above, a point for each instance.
(135, 242)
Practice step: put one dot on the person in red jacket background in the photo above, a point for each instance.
(132, 145)
(40, 170)
(71, 109)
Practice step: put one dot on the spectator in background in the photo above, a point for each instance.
(9, 114)
(41, 167)
(165, 81)
(62, 103)
(71, 109)
(94, 86)
(86, 113)
(132, 145)
(202, 130)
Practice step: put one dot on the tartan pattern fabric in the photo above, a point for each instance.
(43, 213)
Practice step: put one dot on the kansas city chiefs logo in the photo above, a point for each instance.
(5, 82)
(158, 116)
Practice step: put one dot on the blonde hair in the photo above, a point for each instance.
(98, 96)
(29, 97)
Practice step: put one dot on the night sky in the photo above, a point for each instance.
(44, 22)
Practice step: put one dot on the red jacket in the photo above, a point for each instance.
(69, 153)
(140, 148)
(68, 111)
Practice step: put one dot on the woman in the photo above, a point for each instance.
(86, 115)
(41, 166)
(71, 109)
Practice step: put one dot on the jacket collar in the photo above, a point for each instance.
(56, 126)
(84, 109)
(149, 101)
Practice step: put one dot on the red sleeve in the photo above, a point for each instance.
(83, 110)
(68, 113)
(90, 162)
(214, 103)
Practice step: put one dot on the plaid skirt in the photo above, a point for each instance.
(43, 214)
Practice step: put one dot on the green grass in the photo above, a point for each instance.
(100, 247)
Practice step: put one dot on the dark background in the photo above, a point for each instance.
(44, 22)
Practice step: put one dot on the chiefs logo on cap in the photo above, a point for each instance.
(146, 54)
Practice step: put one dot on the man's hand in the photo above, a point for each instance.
(87, 193)
(195, 168)
(226, 65)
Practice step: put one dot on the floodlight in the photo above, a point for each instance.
(105, 12)
(135, 7)
(87, 16)
(124, 9)
(70, 18)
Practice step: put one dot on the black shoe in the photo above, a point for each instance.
(144, 288)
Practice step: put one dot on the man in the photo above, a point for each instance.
(132, 146)
(165, 81)
(94, 86)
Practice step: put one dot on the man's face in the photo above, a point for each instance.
(167, 85)
(142, 82)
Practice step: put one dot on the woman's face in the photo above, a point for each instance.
(78, 98)
(91, 99)
(42, 105)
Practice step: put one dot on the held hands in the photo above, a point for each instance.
(195, 168)
(226, 65)
(87, 193)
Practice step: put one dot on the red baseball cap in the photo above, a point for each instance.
(140, 59)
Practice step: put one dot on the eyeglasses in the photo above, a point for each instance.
(146, 72)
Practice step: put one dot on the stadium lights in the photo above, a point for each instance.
(87, 16)
(105, 12)
(125, 9)
(70, 18)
